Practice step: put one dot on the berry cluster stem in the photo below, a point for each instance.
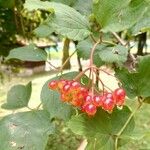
(127, 122)
(93, 50)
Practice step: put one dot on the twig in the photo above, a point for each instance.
(38, 106)
(122, 42)
(81, 74)
(82, 145)
(51, 64)
(92, 37)
(61, 69)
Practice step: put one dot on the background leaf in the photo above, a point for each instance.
(102, 127)
(103, 53)
(121, 14)
(18, 96)
(65, 20)
(25, 130)
(43, 30)
(136, 83)
(7, 3)
(86, 10)
(143, 24)
(28, 53)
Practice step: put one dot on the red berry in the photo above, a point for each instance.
(83, 90)
(109, 95)
(77, 102)
(75, 84)
(97, 101)
(119, 96)
(65, 97)
(53, 85)
(66, 88)
(90, 109)
(108, 104)
(88, 99)
(61, 83)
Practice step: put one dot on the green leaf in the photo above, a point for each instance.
(102, 127)
(84, 49)
(83, 6)
(118, 15)
(65, 21)
(28, 53)
(66, 2)
(25, 130)
(103, 53)
(51, 100)
(7, 3)
(43, 30)
(143, 24)
(98, 143)
(117, 54)
(18, 96)
(136, 83)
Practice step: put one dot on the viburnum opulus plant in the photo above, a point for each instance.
(102, 115)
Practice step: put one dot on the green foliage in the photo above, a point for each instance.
(43, 30)
(136, 83)
(7, 3)
(103, 53)
(63, 138)
(18, 96)
(28, 53)
(66, 2)
(102, 126)
(31, 130)
(84, 48)
(25, 130)
(143, 24)
(65, 20)
(118, 15)
(86, 10)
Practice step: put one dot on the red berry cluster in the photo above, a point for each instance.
(71, 91)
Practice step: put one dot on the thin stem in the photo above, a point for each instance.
(89, 82)
(51, 64)
(92, 51)
(92, 37)
(61, 69)
(109, 42)
(37, 108)
(100, 82)
(127, 122)
(122, 42)
(30, 108)
(81, 74)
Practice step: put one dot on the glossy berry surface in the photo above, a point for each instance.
(53, 85)
(86, 100)
(119, 96)
(97, 101)
(108, 104)
(90, 109)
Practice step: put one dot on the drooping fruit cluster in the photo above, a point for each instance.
(74, 93)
